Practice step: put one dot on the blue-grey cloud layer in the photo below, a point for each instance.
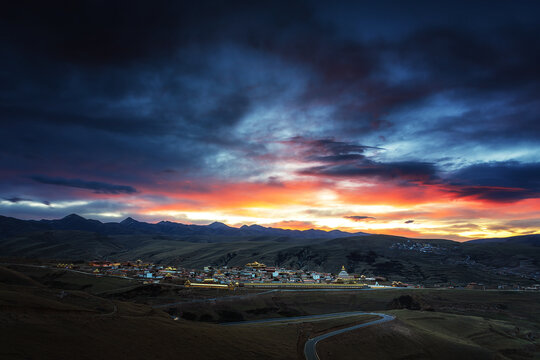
(96, 93)
(96, 186)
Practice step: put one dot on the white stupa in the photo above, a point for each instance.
(344, 275)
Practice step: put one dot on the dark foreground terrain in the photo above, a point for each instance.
(58, 314)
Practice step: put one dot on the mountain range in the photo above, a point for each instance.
(12, 227)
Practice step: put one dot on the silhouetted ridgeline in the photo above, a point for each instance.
(11, 226)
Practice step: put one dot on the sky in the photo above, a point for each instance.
(415, 118)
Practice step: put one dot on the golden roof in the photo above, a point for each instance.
(256, 264)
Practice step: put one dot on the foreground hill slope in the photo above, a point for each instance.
(44, 320)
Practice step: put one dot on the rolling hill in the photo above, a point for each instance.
(423, 261)
(533, 239)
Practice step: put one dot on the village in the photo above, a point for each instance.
(417, 246)
(253, 274)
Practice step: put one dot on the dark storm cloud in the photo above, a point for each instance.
(274, 181)
(498, 181)
(358, 217)
(123, 67)
(97, 33)
(15, 199)
(103, 33)
(345, 70)
(348, 160)
(329, 150)
(122, 90)
(446, 62)
(334, 147)
(408, 171)
(394, 75)
(98, 187)
(409, 221)
(495, 181)
(495, 194)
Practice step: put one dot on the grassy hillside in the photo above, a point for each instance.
(434, 335)
(52, 320)
(409, 260)
(60, 244)
(47, 323)
(499, 305)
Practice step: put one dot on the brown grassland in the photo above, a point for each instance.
(50, 314)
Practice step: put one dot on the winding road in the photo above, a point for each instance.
(310, 350)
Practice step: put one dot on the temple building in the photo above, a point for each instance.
(256, 265)
(344, 275)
